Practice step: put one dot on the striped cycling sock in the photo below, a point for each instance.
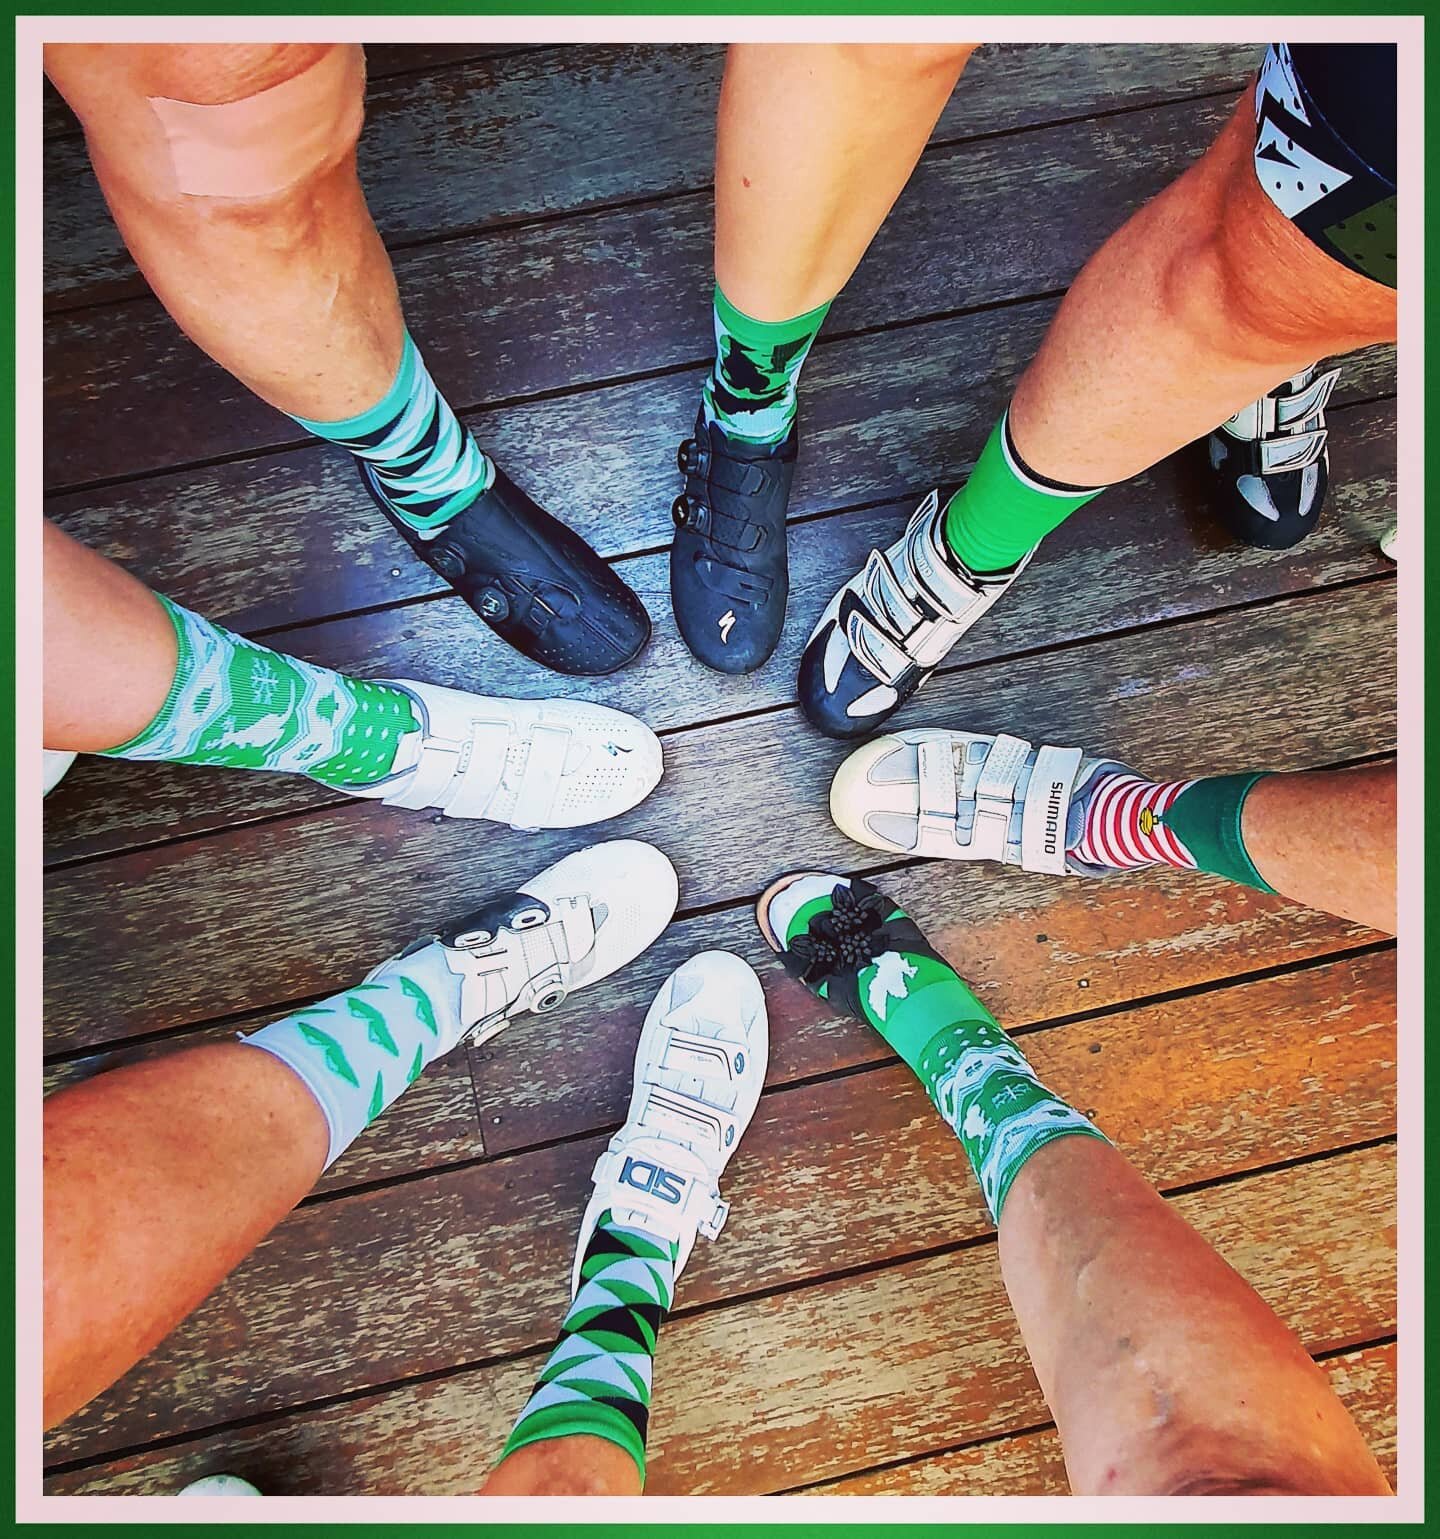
(1005, 508)
(358, 1050)
(1195, 824)
(233, 702)
(428, 466)
(751, 391)
(597, 1380)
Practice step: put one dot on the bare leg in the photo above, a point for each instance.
(110, 649)
(567, 1466)
(1327, 839)
(815, 142)
(290, 290)
(159, 1178)
(1165, 1371)
(1201, 302)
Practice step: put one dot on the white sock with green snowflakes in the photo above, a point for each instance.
(237, 703)
(358, 1050)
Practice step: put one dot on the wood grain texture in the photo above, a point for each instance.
(1116, 566)
(1191, 698)
(888, 1365)
(495, 139)
(1032, 1464)
(848, 1172)
(621, 292)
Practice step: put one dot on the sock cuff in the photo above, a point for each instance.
(753, 333)
(278, 1039)
(1207, 819)
(1032, 478)
(385, 410)
(182, 619)
(562, 1421)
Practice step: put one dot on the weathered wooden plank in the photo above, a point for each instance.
(570, 128)
(1194, 697)
(440, 1126)
(1193, 1090)
(826, 1379)
(884, 416)
(1115, 567)
(1032, 1464)
(626, 291)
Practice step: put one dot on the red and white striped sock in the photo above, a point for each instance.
(1123, 826)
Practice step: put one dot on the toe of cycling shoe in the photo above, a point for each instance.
(532, 580)
(1270, 512)
(726, 634)
(839, 697)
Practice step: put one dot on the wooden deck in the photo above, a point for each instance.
(550, 216)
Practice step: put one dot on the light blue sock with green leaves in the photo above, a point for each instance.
(358, 1050)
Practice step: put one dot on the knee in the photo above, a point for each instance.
(908, 61)
(243, 127)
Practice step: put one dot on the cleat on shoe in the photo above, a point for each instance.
(529, 763)
(699, 1070)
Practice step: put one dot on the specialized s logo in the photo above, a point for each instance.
(645, 1176)
(1052, 816)
(726, 621)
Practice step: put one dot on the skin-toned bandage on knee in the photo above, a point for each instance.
(263, 144)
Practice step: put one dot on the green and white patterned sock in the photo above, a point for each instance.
(358, 1050)
(236, 703)
(597, 1380)
(976, 1076)
(751, 391)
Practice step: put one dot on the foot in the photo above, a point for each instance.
(967, 796)
(1270, 464)
(529, 763)
(699, 1070)
(531, 579)
(888, 629)
(580, 920)
(729, 578)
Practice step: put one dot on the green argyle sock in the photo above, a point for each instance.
(976, 1076)
(358, 1050)
(597, 1380)
(1005, 509)
(236, 703)
(751, 389)
(428, 466)
(1206, 818)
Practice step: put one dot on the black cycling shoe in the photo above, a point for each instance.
(1270, 464)
(729, 579)
(531, 579)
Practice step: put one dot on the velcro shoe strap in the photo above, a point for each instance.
(935, 773)
(577, 926)
(442, 762)
(1292, 452)
(1047, 807)
(1308, 402)
(663, 1183)
(995, 796)
(742, 477)
(544, 769)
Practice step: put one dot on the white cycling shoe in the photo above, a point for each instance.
(529, 763)
(57, 766)
(699, 1070)
(968, 796)
(580, 920)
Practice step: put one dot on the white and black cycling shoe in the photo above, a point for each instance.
(888, 629)
(529, 763)
(699, 1071)
(580, 920)
(1271, 465)
(948, 795)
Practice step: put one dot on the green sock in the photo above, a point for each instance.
(751, 389)
(1005, 509)
(1206, 819)
(597, 1380)
(976, 1076)
(236, 703)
